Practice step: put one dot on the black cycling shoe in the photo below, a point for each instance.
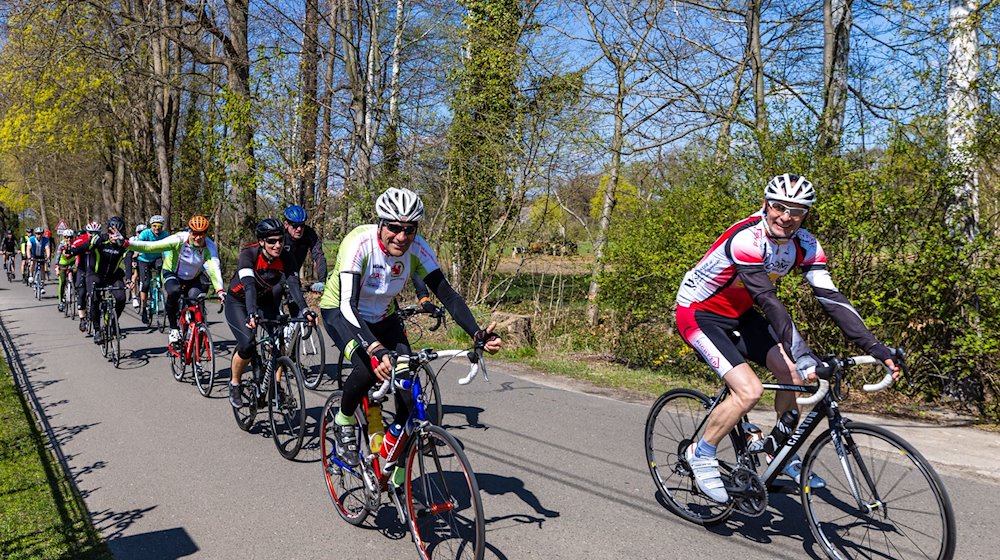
(61, 307)
(235, 398)
(145, 316)
(347, 444)
(83, 325)
(99, 337)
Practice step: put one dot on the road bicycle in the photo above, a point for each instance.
(37, 266)
(439, 500)
(428, 378)
(69, 294)
(882, 499)
(194, 352)
(111, 348)
(307, 347)
(274, 381)
(156, 302)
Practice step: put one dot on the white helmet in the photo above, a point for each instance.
(139, 228)
(790, 188)
(399, 205)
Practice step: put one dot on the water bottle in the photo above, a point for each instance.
(779, 434)
(392, 444)
(376, 428)
(755, 437)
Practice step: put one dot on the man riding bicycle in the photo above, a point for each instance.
(108, 253)
(150, 263)
(8, 247)
(39, 252)
(359, 311)
(66, 266)
(716, 317)
(186, 255)
(300, 240)
(85, 260)
(264, 272)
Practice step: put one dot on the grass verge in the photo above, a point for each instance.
(41, 515)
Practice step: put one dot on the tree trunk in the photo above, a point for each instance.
(309, 109)
(757, 68)
(240, 117)
(963, 70)
(837, 21)
(323, 200)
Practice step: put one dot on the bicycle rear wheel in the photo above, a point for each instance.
(670, 428)
(310, 353)
(246, 414)
(178, 353)
(287, 409)
(113, 339)
(346, 485)
(203, 358)
(904, 512)
(105, 319)
(160, 307)
(442, 501)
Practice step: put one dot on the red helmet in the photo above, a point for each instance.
(47, 233)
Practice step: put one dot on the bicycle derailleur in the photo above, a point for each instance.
(747, 491)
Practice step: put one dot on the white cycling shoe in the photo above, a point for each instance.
(706, 474)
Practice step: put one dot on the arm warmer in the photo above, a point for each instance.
(453, 302)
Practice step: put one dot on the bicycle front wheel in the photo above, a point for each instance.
(178, 353)
(287, 409)
(442, 501)
(310, 353)
(431, 394)
(203, 356)
(672, 426)
(161, 312)
(345, 484)
(114, 339)
(882, 499)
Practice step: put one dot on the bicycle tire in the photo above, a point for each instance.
(443, 506)
(246, 414)
(288, 421)
(105, 317)
(431, 394)
(670, 429)
(310, 355)
(346, 486)
(161, 311)
(907, 487)
(179, 355)
(114, 340)
(38, 283)
(203, 360)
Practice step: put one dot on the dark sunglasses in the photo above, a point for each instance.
(274, 240)
(396, 229)
(296, 225)
(792, 211)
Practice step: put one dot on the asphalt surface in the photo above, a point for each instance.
(167, 474)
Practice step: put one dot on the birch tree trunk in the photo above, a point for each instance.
(963, 70)
(837, 21)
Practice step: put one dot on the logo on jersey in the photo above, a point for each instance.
(397, 269)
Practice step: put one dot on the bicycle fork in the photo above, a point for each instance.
(847, 449)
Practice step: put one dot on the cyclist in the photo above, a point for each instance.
(715, 302)
(107, 252)
(47, 236)
(300, 240)
(264, 272)
(132, 270)
(150, 263)
(186, 255)
(358, 305)
(24, 254)
(8, 247)
(85, 259)
(65, 266)
(39, 251)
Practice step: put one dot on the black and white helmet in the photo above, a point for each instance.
(790, 188)
(399, 205)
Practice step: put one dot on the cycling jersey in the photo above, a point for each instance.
(309, 242)
(148, 235)
(259, 280)
(84, 257)
(107, 256)
(64, 259)
(9, 245)
(184, 259)
(37, 246)
(739, 271)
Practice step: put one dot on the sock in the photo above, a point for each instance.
(343, 420)
(704, 449)
(398, 476)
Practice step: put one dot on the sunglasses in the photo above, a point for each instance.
(396, 229)
(274, 240)
(296, 225)
(792, 211)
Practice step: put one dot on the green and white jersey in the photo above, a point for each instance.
(184, 259)
(382, 275)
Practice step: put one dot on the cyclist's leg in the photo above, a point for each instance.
(144, 272)
(61, 279)
(94, 300)
(172, 287)
(236, 318)
(117, 284)
(82, 292)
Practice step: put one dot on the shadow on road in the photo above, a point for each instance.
(168, 544)
(471, 414)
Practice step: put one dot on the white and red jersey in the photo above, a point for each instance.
(740, 269)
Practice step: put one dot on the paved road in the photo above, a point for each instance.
(167, 474)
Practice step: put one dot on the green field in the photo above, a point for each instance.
(41, 516)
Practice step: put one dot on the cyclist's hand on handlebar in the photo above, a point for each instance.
(806, 367)
(492, 342)
(886, 355)
(310, 316)
(428, 307)
(252, 320)
(381, 363)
